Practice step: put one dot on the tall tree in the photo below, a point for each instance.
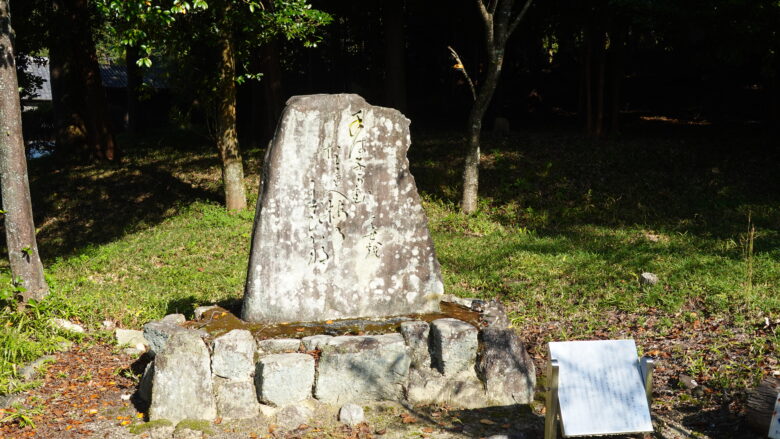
(26, 266)
(500, 21)
(80, 105)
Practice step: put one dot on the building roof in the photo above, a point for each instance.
(112, 76)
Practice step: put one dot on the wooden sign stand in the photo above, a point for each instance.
(552, 415)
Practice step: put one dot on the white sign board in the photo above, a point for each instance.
(774, 426)
(600, 388)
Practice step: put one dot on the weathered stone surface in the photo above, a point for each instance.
(144, 392)
(339, 230)
(292, 416)
(454, 346)
(315, 341)
(494, 315)
(236, 399)
(416, 335)
(362, 368)
(183, 386)
(174, 319)
(648, 278)
(129, 337)
(67, 325)
(463, 390)
(278, 346)
(351, 414)
(505, 367)
(158, 332)
(283, 379)
(234, 355)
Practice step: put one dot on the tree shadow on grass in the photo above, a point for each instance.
(95, 204)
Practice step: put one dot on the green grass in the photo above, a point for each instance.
(566, 226)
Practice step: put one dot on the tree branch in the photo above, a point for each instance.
(486, 16)
(462, 68)
(492, 6)
(519, 17)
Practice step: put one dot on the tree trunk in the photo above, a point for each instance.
(601, 87)
(67, 93)
(395, 49)
(99, 134)
(589, 80)
(474, 129)
(134, 81)
(272, 88)
(227, 140)
(26, 267)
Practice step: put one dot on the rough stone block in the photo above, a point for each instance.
(362, 368)
(183, 386)
(278, 346)
(416, 335)
(158, 332)
(234, 355)
(454, 347)
(236, 399)
(340, 230)
(174, 319)
(292, 416)
(283, 379)
(462, 390)
(505, 367)
(313, 342)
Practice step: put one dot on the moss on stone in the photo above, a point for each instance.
(195, 424)
(146, 426)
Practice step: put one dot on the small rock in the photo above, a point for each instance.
(351, 414)
(130, 337)
(494, 315)
(292, 416)
(108, 325)
(7, 401)
(268, 411)
(67, 326)
(688, 382)
(174, 319)
(648, 278)
(125, 396)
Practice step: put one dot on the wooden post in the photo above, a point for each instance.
(551, 414)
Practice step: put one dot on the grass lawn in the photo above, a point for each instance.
(567, 225)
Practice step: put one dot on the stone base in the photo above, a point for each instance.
(445, 362)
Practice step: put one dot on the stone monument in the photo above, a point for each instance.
(339, 230)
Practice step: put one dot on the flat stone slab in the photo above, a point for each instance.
(362, 368)
(283, 379)
(278, 346)
(339, 230)
(183, 386)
